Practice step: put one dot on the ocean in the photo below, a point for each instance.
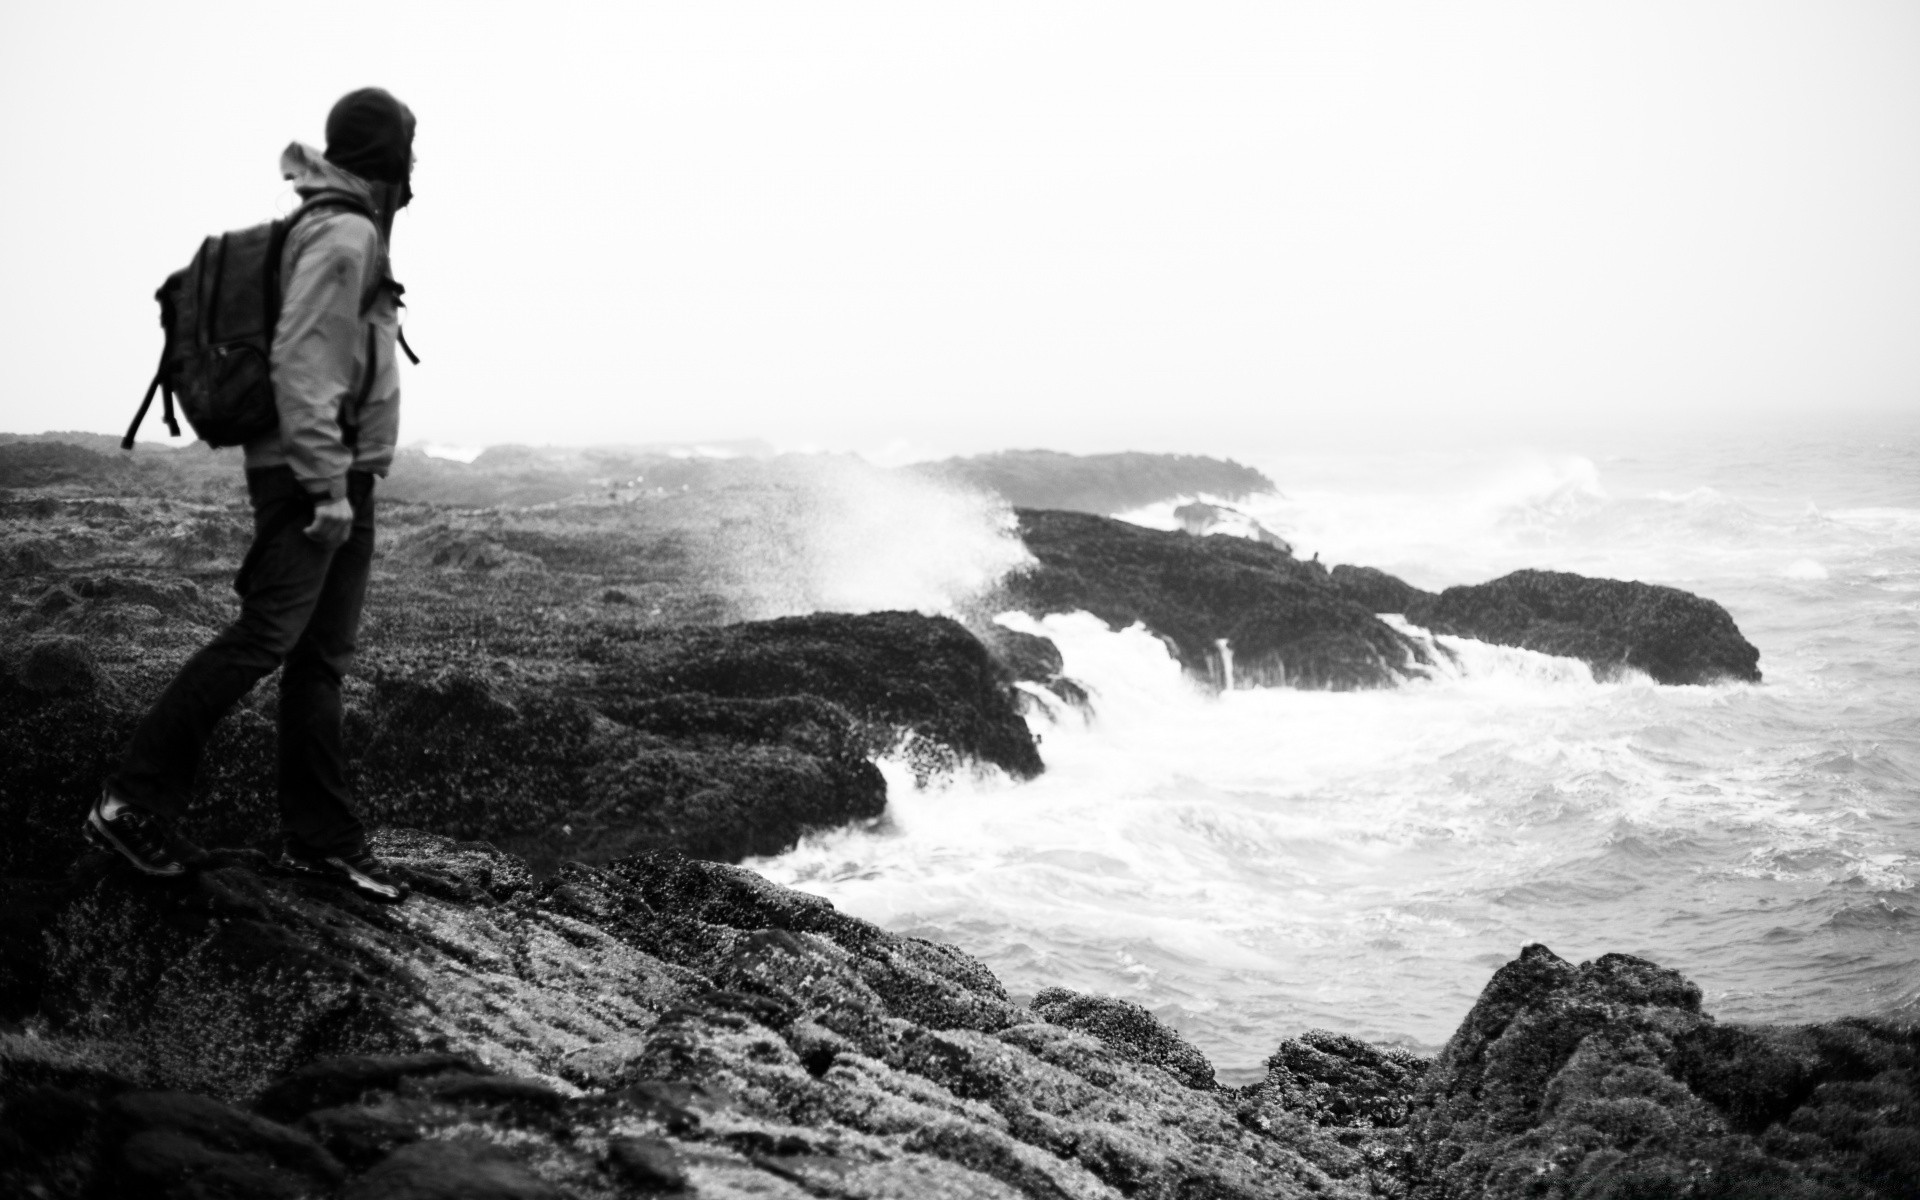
(1254, 863)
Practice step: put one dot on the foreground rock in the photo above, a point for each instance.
(665, 1024)
(723, 742)
(1284, 621)
(659, 1023)
(1606, 1080)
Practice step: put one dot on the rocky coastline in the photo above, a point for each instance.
(573, 714)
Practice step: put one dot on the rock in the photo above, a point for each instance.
(1606, 1079)
(362, 1136)
(725, 743)
(341, 1079)
(769, 1041)
(649, 1164)
(468, 551)
(450, 1170)
(1029, 658)
(1375, 590)
(757, 1039)
(1285, 623)
(1201, 519)
(1096, 483)
(59, 666)
(904, 672)
(1337, 1081)
(1612, 625)
(1127, 1029)
(175, 1141)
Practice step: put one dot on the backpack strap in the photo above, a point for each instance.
(159, 384)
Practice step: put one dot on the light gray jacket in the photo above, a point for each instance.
(333, 311)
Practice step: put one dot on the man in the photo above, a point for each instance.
(311, 482)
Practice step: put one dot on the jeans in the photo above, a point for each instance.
(300, 607)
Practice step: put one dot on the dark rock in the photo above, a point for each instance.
(167, 1162)
(1030, 658)
(1286, 624)
(59, 666)
(724, 743)
(344, 1078)
(174, 1140)
(1673, 636)
(1127, 1029)
(1337, 1081)
(926, 676)
(449, 1170)
(759, 1033)
(506, 1091)
(1606, 1079)
(1375, 590)
(360, 1137)
(649, 1164)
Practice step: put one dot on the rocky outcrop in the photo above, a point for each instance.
(1612, 625)
(1200, 519)
(1285, 622)
(1096, 483)
(1606, 1080)
(724, 742)
(660, 1022)
(1375, 590)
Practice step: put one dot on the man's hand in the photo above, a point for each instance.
(332, 522)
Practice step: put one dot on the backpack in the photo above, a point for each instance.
(219, 313)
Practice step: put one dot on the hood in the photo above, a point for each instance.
(312, 173)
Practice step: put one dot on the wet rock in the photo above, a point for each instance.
(1128, 1029)
(1286, 624)
(340, 1079)
(1029, 658)
(1612, 625)
(649, 1164)
(450, 1170)
(172, 1141)
(1337, 1081)
(361, 1136)
(1375, 590)
(1606, 1079)
(898, 671)
(59, 666)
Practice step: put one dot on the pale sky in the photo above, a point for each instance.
(913, 229)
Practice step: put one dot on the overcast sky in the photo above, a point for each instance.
(915, 228)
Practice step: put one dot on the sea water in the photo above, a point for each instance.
(1254, 863)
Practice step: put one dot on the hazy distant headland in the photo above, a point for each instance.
(589, 679)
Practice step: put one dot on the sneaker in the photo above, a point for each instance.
(359, 871)
(140, 837)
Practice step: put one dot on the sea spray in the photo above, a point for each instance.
(1253, 862)
(849, 537)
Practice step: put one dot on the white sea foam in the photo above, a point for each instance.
(1256, 862)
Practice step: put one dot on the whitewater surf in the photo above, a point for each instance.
(1254, 862)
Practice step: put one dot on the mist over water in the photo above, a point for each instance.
(1259, 862)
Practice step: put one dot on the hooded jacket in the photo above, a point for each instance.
(337, 323)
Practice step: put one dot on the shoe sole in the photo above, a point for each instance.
(343, 876)
(99, 835)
